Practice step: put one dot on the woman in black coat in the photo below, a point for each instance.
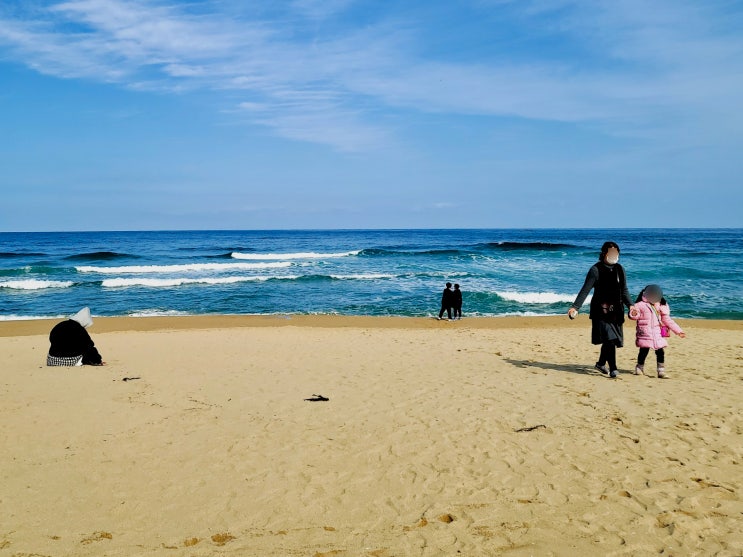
(610, 295)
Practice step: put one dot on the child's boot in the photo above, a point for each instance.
(639, 369)
(661, 371)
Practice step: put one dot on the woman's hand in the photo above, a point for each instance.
(572, 312)
(633, 313)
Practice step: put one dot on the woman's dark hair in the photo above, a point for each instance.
(606, 247)
(642, 293)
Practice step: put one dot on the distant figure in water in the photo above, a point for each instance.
(447, 299)
(610, 295)
(457, 302)
(71, 344)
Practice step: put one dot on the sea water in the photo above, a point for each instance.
(356, 272)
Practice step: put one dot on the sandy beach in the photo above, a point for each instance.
(481, 437)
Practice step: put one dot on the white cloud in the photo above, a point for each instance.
(341, 130)
(252, 106)
(651, 64)
(320, 9)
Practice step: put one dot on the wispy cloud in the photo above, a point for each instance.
(320, 9)
(649, 64)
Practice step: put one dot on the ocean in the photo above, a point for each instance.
(356, 272)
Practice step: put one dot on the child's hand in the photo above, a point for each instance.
(682, 335)
(633, 313)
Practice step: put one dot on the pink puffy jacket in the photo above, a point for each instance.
(648, 324)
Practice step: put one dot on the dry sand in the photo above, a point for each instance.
(212, 449)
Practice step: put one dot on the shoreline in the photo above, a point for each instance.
(32, 327)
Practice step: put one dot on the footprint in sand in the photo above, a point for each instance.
(96, 537)
(665, 520)
(421, 523)
(706, 483)
(221, 539)
(484, 532)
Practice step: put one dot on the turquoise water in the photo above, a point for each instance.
(379, 272)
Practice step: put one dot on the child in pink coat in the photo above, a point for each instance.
(653, 325)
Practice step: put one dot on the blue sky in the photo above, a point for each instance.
(157, 114)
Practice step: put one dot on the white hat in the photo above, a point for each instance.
(83, 317)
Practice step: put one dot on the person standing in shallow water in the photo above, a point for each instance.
(446, 301)
(610, 295)
(457, 302)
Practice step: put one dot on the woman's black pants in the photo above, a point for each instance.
(608, 355)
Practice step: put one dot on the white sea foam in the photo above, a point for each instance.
(507, 314)
(14, 317)
(180, 281)
(157, 313)
(299, 255)
(186, 267)
(35, 284)
(369, 276)
(441, 276)
(523, 314)
(537, 297)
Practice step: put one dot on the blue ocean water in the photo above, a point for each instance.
(376, 272)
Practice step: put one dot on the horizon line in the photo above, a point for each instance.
(716, 228)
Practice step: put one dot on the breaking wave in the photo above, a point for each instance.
(298, 255)
(183, 267)
(181, 281)
(35, 284)
(171, 282)
(537, 297)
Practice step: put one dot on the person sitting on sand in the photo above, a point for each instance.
(457, 302)
(446, 301)
(71, 344)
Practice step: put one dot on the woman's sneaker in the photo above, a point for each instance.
(603, 369)
(613, 373)
(661, 371)
(639, 370)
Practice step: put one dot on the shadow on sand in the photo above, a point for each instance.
(571, 368)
